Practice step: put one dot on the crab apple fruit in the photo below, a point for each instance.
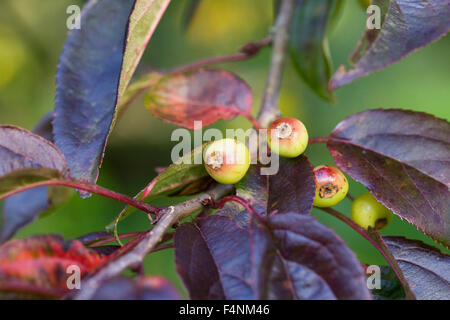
(331, 186)
(368, 212)
(289, 135)
(226, 160)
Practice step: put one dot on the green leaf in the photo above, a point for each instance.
(308, 44)
(135, 89)
(142, 23)
(181, 173)
(20, 180)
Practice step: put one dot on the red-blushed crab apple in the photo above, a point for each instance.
(287, 137)
(331, 186)
(226, 160)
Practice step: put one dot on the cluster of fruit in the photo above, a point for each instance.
(228, 160)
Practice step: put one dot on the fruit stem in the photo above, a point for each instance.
(352, 198)
(377, 241)
(318, 140)
(254, 122)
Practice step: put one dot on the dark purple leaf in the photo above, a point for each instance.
(254, 188)
(105, 250)
(23, 208)
(27, 159)
(390, 286)
(44, 127)
(88, 81)
(304, 241)
(370, 35)
(21, 149)
(95, 68)
(217, 259)
(408, 26)
(205, 95)
(308, 43)
(93, 237)
(426, 269)
(147, 288)
(402, 157)
(292, 189)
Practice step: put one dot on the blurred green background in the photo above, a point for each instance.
(32, 34)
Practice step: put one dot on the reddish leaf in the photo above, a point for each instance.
(38, 265)
(408, 26)
(88, 79)
(205, 95)
(402, 157)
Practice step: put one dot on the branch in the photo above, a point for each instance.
(139, 87)
(92, 188)
(375, 239)
(169, 216)
(237, 199)
(245, 52)
(269, 107)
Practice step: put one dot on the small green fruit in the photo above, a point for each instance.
(226, 160)
(368, 212)
(331, 186)
(287, 137)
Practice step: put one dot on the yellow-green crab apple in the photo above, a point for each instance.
(331, 186)
(227, 160)
(287, 137)
(368, 212)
